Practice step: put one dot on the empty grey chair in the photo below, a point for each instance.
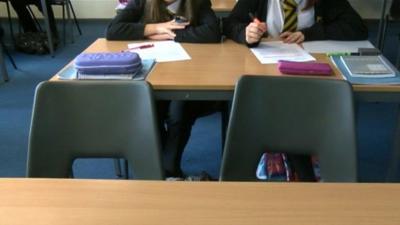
(293, 115)
(111, 119)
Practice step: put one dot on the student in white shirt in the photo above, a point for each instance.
(307, 20)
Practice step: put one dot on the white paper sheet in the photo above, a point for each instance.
(163, 51)
(272, 52)
(335, 46)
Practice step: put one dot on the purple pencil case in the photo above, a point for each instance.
(304, 68)
(108, 63)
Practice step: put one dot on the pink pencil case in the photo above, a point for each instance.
(304, 68)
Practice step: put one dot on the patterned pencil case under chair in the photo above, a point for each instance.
(304, 68)
(104, 63)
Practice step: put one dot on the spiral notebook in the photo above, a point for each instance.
(367, 66)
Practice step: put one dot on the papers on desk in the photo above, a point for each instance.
(335, 46)
(272, 52)
(162, 51)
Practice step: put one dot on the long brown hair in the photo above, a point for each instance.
(155, 11)
(309, 4)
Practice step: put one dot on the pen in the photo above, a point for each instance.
(341, 53)
(253, 18)
(142, 46)
(139, 47)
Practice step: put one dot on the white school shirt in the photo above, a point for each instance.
(174, 7)
(275, 16)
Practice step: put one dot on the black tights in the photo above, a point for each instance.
(176, 121)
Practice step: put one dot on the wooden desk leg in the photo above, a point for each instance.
(48, 30)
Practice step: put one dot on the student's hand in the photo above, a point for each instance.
(161, 37)
(292, 37)
(163, 28)
(254, 32)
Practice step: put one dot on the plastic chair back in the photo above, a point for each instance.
(293, 115)
(91, 119)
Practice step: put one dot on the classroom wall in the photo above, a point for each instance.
(98, 9)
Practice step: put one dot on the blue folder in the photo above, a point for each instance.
(369, 80)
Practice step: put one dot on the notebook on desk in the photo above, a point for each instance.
(367, 66)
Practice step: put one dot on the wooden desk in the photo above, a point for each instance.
(211, 74)
(101, 202)
(215, 68)
(223, 5)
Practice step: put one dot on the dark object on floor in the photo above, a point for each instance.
(33, 43)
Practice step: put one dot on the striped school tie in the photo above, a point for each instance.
(290, 12)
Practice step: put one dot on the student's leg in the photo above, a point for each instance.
(25, 18)
(179, 121)
(303, 167)
(162, 111)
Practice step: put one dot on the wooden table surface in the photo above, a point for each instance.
(120, 202)
(212, 67)
(215, 67)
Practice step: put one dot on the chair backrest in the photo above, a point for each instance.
(293, 115)
(75, 119)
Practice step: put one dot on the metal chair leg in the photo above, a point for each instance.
(49, 34)
(34, 19)
(74, 17)
(225, 112)
(3, 68)
(126, 168)
(69, 20)
(8, 55)
(117, 168)
(64, 28)
(10, 22)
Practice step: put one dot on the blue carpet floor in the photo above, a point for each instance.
(376, 122)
